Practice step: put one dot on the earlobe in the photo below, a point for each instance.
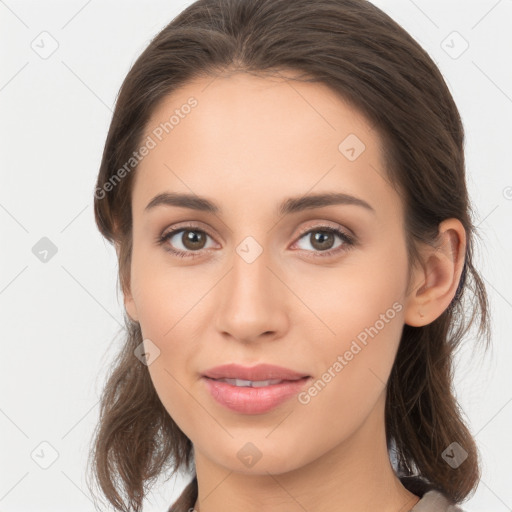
(126, 285)
(439, 275)
(130, 307)
(129, 302)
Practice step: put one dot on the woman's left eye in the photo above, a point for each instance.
(322, 239)
(193, 240)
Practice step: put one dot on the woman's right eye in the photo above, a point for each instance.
(184, 242)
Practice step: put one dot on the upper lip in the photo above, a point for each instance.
(253, 373)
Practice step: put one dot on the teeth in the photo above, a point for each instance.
(250, 383)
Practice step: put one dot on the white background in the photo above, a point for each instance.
(60, 318)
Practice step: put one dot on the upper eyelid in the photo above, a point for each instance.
(302, 231)
(332, 225)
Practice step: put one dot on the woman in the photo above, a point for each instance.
(284, 184)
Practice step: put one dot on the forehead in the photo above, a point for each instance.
(244, 136)
(255, 109)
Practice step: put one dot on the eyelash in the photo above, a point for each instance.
(348, 241)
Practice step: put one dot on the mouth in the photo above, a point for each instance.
(241, 383)
(258, 373)
(253, 399)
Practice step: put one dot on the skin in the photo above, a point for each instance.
(250, 143)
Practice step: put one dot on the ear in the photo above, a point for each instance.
(126, 287)
(131, 308)
(437, 277)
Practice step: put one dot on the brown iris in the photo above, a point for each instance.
(322, 240)
(193, 239)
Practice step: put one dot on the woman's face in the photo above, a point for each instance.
(261, 281)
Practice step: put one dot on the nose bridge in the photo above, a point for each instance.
(252, 302)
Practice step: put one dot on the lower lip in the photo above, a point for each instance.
(248, 400)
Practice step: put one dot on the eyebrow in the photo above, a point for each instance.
(288, 206)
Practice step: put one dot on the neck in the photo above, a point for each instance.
(355, 476)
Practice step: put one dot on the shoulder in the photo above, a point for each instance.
(431, 499)
(187, 499)
(434, 501)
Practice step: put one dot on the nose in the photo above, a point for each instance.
(252, 301)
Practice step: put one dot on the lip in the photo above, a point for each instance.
(258, 372)
(253, 400)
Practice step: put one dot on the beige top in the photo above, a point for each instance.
(433, 501)
(430, 500)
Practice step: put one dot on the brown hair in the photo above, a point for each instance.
(371, 62)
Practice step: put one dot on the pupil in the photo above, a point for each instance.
(193, 239)
(320, 238)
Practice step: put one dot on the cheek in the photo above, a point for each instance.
(172, 316)
(365, 290)
(174, 371)
(165, 295)
(361, 309)
(350, 381)
(172, 385)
